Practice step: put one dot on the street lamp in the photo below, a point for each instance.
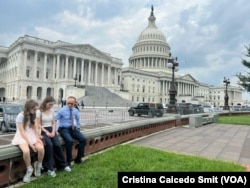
(75, 78)
(226, 81)
(172, 64)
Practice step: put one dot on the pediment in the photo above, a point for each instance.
(88, 49)
(188, 77)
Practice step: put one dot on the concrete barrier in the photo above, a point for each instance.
(202, 119)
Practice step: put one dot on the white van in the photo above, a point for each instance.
(208, 109)
(8, 114)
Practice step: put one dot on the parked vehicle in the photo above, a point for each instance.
(184, 108)
(236, 108)
(208, 109)
(197, 109)
(8, 114)
(165, 106)
(149, 109)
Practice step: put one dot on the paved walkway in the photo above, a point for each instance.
(216, 141)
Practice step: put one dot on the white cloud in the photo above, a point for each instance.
(48, 34)
(207, 36)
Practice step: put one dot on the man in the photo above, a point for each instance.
(82, 104)
(69, 129)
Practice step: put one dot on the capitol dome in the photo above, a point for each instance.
(151, 33)
(151, 50)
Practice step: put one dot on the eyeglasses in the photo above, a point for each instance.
(70, 103)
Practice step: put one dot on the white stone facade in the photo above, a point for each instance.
(34, 68)
(148, 78)
(217, 95)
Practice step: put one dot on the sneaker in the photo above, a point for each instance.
(38, 168)
(67, 169)
(26, 178)
(51, 173)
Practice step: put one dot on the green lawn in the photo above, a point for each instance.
(100, 170)
(237, 120)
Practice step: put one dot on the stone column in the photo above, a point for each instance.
(109, 74)
(67, 68)
(17, 92)
(115, 81)
(22, 91)
(45, 66)
(58, 67)
(189, 89)
(102, 78)
(34, 92)
(152, 62)
(62, 68)
(96, 73)
(70, 68)
(180, 88)
(163, 91)
(74, 67)
(35, 66)
(25, 63)
(89, 72)
(120, 73)
(54, 67)
(183, 88)
(82, 71)
(192, 94)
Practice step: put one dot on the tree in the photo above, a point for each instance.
(244, 80)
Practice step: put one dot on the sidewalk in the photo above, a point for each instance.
(216, 141)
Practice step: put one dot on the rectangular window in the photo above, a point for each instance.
(28, 73)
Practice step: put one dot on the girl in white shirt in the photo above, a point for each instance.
(54, 155)
(27, 137)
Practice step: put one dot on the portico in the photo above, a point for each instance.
(37, 68)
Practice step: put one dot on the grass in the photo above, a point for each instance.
(237, 120)
(100, 170)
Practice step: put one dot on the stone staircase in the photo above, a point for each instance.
(102, 97)
(97, 97)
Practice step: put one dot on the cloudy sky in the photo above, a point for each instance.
(207, 36)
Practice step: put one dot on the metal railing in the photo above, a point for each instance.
(99, 117)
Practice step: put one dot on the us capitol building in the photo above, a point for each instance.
(34, 68)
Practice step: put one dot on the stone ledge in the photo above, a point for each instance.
(12, 166)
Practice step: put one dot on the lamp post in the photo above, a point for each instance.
(226, 81)
(75, 78)
(172, 64)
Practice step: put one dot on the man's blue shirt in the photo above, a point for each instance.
(63, 115)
